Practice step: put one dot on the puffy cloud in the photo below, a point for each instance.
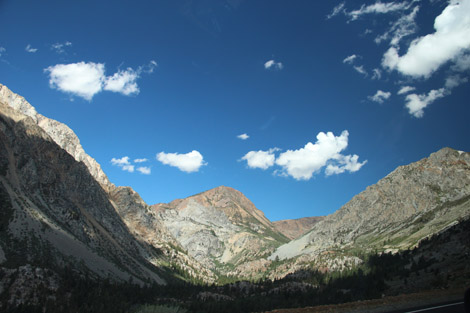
(189, 162)
(123, 163)
(405, 89)
(59, 47)
(120, 162)
(260, 159)
(426, 54)
(144, 170)
(301, 164)
(140, 160)
(380, 96)
(243, 136)
(345, 163)
(80, 79)
(377, 8)
(123, 82)
(30, 49)
(350, 59)
(271, 64)
(416, 103)
(87, 79)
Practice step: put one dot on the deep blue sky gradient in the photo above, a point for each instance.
(211, 85)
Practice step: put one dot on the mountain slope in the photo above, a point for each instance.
(409, 204)
(295, 228)
(57, 212)
(222, 229)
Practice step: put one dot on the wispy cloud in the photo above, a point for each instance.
(336, 10)
(30, 49)
(380, 96)
(188, 162)
(87, 79)
(405, 89)
(140, 160)
(448, 45)
(60, 47)
(273, 65)
(2, 50)
(377, 8)
(350, 59)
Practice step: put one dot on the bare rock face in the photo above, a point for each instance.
(294, 228)
(53, 209)
(220, 228)
(409, 204)
(59, 132)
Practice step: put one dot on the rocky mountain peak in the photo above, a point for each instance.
(59, 132)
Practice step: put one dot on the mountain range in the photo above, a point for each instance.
(59, 210)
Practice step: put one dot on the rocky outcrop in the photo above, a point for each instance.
(220, 228)
(59, 132)
(411, 203)
(294, 228)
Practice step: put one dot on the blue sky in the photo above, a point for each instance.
(298, 104)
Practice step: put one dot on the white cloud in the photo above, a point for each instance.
(271, 64)
(416, 103)
(243, 136)
(360, 69)
(189, 162)
(405, 89)
(376, 73)
(129, 168)
(123, 82)
(87, 79)
(30, 49)
(462, 63)
(380, 96)
(120, 162)
(350, 59)
(426, 54)
(80, 79)
(260, 159)
(144, 170)
(2, 50)
(301, 164)
(404, 26)
(336, 10)
(149, 68)
(377, 8)
(140, 160)
(454, 81)
(345, 163)
(59, 47)
(123, 163)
